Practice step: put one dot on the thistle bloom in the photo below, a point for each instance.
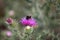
(28, 21)
(9, 20)
(9, 33)
(11, 12)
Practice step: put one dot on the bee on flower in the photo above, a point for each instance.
(28, 21)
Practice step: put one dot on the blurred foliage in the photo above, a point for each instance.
(46, 12)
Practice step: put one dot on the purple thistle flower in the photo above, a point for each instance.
(28, 21)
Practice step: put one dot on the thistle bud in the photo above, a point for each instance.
(9, 20)
(28, 29)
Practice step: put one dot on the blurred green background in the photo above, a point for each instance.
(46, 13)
